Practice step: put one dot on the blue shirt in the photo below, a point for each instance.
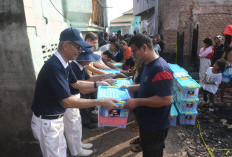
(157, 80)
(157, 49)
(80, 73)
(227, 74)
(118, 56)
(52, 86)
(104, 42)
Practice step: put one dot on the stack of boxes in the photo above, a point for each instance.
(116, 117)
(185, 95)
(173, 115)
(185, 100)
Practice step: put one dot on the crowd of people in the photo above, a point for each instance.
(66, 87)
(65, 93)
(215, 68)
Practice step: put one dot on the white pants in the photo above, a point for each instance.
(204, 65)
(73, 130)
(50, 134)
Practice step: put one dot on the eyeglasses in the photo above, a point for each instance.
(75, 45)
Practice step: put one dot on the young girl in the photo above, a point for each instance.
(212, 79)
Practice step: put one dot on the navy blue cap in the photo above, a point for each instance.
(87, 55)
(73, 34)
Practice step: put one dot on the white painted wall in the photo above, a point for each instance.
(44, 24)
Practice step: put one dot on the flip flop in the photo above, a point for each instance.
(136, 149)
(135, 141)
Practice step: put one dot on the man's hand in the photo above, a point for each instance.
(103, 83)
(130, 104)
(108, 75)
(108, 103)
(110, 81)
(125, 86)
(119, 75)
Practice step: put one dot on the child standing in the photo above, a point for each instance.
(212, 79)
(205, 55)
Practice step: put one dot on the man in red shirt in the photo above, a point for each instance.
(126, 50)
(126, 54)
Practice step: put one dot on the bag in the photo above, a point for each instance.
(209, 56)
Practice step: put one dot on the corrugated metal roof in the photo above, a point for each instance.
(120, 24)
(126, 17)
(128, 12)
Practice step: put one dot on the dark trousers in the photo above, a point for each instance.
(153, 142)
(86, 115)
(211, 96)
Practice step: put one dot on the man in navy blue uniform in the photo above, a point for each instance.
(152, 106)
(72, 117)
(52, 95)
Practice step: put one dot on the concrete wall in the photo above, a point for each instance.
(44, 24)
(136, 24)
(17, 79)
(46, 19)
(29, 35)
(140, 6)
(148, 10)
(211, 16)
(78, 12)
(115, 29)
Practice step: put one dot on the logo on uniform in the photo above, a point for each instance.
(146, 79)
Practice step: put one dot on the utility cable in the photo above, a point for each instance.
(58, 11)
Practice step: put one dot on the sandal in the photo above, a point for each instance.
(135, 141)
(136, 149)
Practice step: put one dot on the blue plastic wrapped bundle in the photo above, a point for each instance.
(187, 118)
(113, 71)
(123, 81)
(187, 88)
(173, 116)
(185, 105)
(116, 117)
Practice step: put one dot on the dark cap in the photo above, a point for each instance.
(87, 55)
(74, 35)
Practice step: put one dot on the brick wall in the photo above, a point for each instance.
(212, 17)
(212, 20)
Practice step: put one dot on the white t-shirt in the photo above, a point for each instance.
(100, 60)
(211, 77)
(104, 48)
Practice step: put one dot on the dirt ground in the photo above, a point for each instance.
(114, 142)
